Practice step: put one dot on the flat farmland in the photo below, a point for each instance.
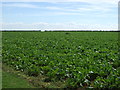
(80, 59)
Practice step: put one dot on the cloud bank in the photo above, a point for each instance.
(57, 26)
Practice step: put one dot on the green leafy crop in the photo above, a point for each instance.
(82, 59)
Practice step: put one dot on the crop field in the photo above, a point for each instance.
(80, 59)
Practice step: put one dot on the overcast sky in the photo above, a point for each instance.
(57, 14)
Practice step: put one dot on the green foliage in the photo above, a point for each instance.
(82, 59)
